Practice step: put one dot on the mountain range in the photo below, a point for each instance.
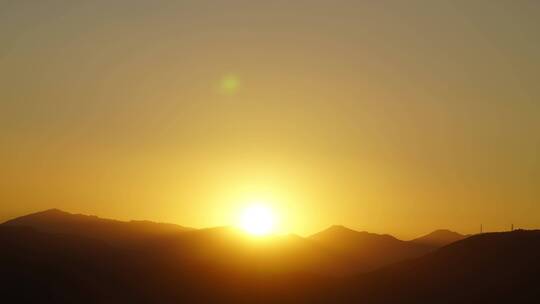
(337, 250)
(58, 257)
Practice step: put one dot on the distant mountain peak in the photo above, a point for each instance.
(338, 228)
(342, 231)
(51, 211)
(439, 238)
(444, 231)
(341, 236)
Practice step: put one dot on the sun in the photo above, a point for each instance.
(258, 219)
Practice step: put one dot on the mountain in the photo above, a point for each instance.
(57, 221)
(366, 251)
(45, 268)
(224, 248)
(233, 249)
(223, 265)
(335, 251)
(486, 268)
(439, 238)
(39, 267)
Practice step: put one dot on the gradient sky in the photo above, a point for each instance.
(388, 116)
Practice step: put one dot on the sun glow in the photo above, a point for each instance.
(258, 219)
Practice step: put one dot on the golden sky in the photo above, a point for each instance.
(389, 116)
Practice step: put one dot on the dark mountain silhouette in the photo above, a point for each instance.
(113, 231)
(439, 238)
(231, 249)
(487, 268)
(223, 265)
(221, 247)
(44, 268)
(335, 251)
(41, 267)
(366, 251)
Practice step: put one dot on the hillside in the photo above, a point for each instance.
(486, 268)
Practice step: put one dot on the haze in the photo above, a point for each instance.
(387, 116)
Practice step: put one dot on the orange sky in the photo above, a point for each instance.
(387, 116)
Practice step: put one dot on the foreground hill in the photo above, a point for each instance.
(45, 268)
(40, 267)
(486, 268)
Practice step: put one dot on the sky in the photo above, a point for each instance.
(395, 117)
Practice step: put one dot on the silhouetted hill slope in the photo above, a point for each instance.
(367, 251)
(57, 221)
(439, 238)
(486, 268)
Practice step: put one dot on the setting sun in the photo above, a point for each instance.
(258, 219)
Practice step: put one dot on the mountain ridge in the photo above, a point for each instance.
(439, 238)
(53, 268)
(113, 231)
(337, 250)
